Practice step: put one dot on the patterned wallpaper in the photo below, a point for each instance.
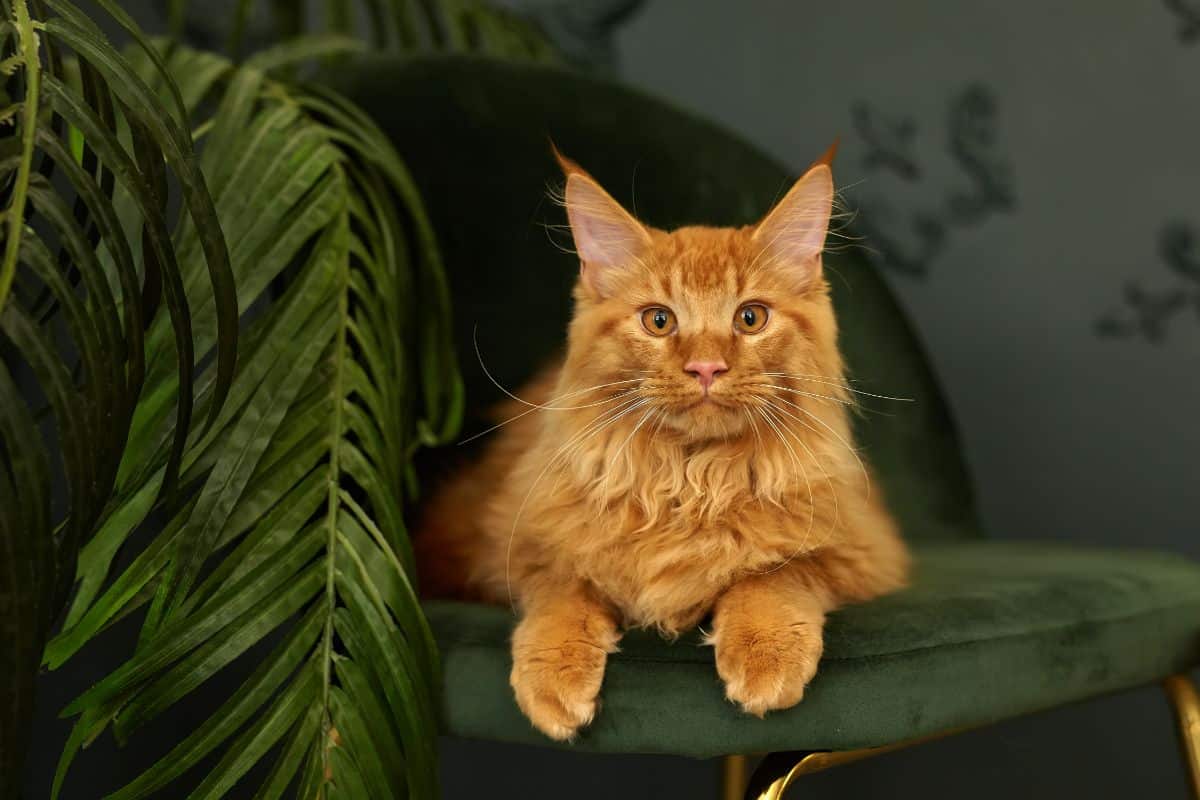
(912, 240)
(1147, 308)
(1188, 13)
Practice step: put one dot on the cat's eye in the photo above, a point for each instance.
(658, 321)
(751, 318)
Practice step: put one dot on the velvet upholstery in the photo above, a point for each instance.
(987, 631)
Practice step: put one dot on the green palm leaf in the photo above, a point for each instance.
(87, 137)
(291, 529)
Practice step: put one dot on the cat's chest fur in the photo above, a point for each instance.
(660, 529)
(668, 586)
(663, 557)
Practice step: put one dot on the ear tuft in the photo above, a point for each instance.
(828, 156)
(607, 237)
(567, 166)
(793, 233)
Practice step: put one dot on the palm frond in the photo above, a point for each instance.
(87, 136)
(288, 531)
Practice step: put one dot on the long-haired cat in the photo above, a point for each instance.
(691, 455)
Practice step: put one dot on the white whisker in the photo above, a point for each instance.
(758, 438)
(821, 379)
(521, 400)
(536, 407)
(854, 452)
(806, 394)
(610, 416)
(812, 505)
(617, 455)
(812, 500)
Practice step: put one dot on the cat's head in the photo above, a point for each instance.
(714, 327)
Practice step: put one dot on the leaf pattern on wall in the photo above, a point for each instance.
(1188, 14)
(910, 242)
(889, 141)
(1145, 313)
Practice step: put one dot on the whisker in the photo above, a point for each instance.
(576, 443)
(812, 506)
(587, 433)
(626, 407)
(806, 394)
(840, 382)
(812, 500)
(758, 438)
(620, 448)
(536, 407)
(820, 379)
(753, 426)
(800, 441)
(523, 401)
(849, 448)
(662, 417)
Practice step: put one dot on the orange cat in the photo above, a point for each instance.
(690, 456)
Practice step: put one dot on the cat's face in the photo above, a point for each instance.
(703, 331)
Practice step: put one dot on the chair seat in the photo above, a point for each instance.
(987, 631)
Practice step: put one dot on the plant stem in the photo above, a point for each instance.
(334, 508)
(27, 44)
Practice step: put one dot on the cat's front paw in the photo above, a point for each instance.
(557, 684)
(767, 668)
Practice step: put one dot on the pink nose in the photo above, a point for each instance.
(705, 371)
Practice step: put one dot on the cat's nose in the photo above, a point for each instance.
(705, 371)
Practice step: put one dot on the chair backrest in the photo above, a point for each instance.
(476, 134)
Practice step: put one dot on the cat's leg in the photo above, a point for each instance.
(768, 635)
(768, 629)
(559, 651)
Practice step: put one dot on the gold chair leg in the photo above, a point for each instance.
(1186, 700)
(773, 790)
(733, 777)
(777, 771)
(737, 784)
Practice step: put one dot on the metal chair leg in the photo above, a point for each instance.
(1186, 701)
(733, 777)
(776, 772)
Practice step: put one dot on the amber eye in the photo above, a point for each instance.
(750, 318)
(658, 321)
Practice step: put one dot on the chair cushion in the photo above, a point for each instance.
(987, 631)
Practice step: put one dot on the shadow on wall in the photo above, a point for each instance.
(911, 243)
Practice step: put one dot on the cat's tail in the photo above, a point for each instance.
(447, 541)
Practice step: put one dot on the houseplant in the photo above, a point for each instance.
(222, 337)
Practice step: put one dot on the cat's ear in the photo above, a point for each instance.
(607, 237)
(793, 233)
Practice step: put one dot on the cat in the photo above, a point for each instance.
(690, 456)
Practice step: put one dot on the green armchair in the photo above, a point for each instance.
(989, 629)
